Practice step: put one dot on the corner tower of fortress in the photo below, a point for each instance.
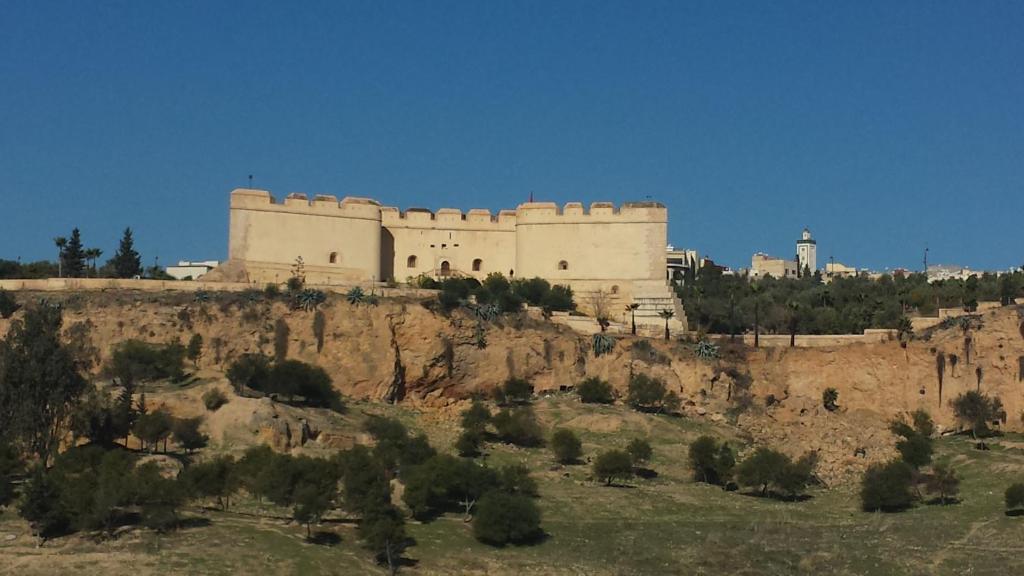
(338, 241)
(606, 254)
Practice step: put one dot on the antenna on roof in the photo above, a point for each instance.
(531, 196)
(250, 181)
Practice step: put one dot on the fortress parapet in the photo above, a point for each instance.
(598, 212)
(448, 218)
(299, 203)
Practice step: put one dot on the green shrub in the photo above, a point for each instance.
(214, 478)
(829, 399)
(887, 487)
(612, 465)
(214, 399)
(394, 445)
(514, 391)
(516, 479)
(560, 298)
(444, 483)
(766, 468)
(153, 427)
(710, 461)
(293, 378)
(518, 426)
(566, 446)
(250, 371)
(593, 390)
(476, 417)
(468, 443)
(646, 394)
(502, 518)
(144, 362)
(640, 451)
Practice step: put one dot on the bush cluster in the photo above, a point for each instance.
(648, 394)
(292, 380)
(508, 296)
(146, 362)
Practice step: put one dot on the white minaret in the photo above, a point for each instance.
(807, 252)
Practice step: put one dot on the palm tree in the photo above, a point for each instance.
(93, 254)
(667, 315)
(631, 308)
(61, 243)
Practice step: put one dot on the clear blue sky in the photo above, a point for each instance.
(882, 126)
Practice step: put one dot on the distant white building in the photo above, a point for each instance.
(191, 270)
(937, 272)
(762, 265)
(807, 252)
(678, 262)
(839, 270)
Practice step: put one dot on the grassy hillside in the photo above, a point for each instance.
(663, 525)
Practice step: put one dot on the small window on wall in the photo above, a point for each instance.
(615, 289)
(477, 265)
(410, 262)
(563, 265)
(334, 258)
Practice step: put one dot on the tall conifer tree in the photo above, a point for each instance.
(126, 262)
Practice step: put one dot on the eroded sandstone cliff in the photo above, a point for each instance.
(401, 351)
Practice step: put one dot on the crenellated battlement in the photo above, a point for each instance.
(475, 219)
(598, 212)
(299, 203)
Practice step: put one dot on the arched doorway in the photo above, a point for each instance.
(446, 268)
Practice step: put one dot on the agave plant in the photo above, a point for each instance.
(603, 344)
(355, 296)
(308, 299)
(487, 312)
(372, 299)
(705, 350)
(201, 296)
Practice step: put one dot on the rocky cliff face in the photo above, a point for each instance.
(400, 351)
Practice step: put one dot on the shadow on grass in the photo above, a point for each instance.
(324, 538)
(193, 522)
(943, 502)
(1015, 513)
(536, 539)
(772, 495)
(617, 485)
(407, 562)
(645, 473)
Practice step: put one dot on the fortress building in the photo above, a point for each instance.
(609, 256)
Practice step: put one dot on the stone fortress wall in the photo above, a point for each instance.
(605, 253)
(339, 241)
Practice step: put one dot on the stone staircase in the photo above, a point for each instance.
(653, 297)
